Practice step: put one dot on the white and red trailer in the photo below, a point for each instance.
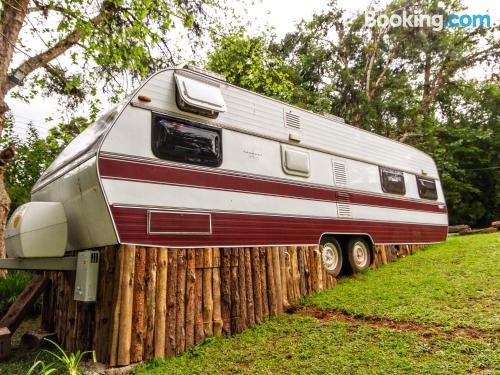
(189, 160)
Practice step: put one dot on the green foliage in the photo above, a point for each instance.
(63, 363)
(33, 155)
(109, 44)
(11, 286)
(247, 62)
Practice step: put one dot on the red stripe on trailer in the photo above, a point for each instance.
(240, 229)
(167, 174)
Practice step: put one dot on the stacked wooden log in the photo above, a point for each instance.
(158, 302)
(464, 230)
(458, 228)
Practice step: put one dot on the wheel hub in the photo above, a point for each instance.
(360, 254)
(330, 258)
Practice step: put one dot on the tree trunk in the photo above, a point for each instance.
(4, 212)
(11, 22)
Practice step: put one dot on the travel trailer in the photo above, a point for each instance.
(190, 161)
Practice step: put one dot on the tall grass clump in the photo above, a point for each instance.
(11, 286)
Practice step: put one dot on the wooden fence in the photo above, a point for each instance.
(158, 302)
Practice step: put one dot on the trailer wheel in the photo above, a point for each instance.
(331, 255)
(358, 254)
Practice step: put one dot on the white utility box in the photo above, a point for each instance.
(37, 230)
(87, 273)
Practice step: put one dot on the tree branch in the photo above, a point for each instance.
(42, 59)
(11, 22)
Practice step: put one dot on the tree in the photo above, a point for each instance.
(102, 40)
(247, 62)
(33, 155)
(406, 83)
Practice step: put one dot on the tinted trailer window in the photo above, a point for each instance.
(186, 142)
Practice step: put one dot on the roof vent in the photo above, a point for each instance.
(292, 120)
(198, 96)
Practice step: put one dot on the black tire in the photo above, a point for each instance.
(359, 254)
(331, 256)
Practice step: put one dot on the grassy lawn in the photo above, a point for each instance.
(453, 284)
(301, 344)
(443, 306)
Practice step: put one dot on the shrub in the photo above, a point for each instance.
(11, 286)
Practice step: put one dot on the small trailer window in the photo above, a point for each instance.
(186, 141)
(426, 188)
(393, 181)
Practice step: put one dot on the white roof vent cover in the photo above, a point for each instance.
(200, 94)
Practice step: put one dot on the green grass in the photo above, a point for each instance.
(450, 285)
(301, 345)
(11, 286)
(453, 284)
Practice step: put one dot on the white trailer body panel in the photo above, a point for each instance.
(122, 192)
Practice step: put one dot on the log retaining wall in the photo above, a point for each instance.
(158, 302)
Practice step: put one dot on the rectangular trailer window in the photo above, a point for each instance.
(392, 180)
(186, 141)
(426, 188)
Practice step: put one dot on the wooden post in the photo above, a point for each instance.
(161, 303)
(250, 289)
(263, 283)
(125, 324)
(302, 271)
(295, 273)
(180, 345)
(284, 277)
(271, 283)
(307, 269)
(150, 281)
(104, 304)
(225, 283)
(199, 334)
(277, 278)
(190, 296)
(72, 328)
(117, 299)
(171, 303)
(384, 255)
(313, 270)
(289, 277)
(138, 311)
(5, 349)
(319, 267)
(207, 293)
(14, 316)
(216, 292)
(242, 287)
(256, 282)
(235, 294)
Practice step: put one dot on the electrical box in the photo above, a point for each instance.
(87, 273)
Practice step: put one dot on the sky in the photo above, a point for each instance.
(282, 15)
